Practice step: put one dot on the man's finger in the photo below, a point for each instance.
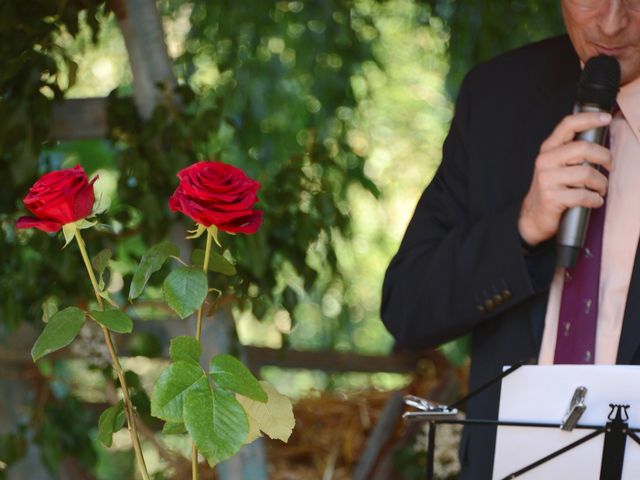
(576, 153)
(580, 177)
(572, 124)
(580, 197)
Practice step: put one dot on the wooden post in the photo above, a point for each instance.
(141, 28)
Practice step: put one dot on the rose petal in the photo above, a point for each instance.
(247, 225)
(44, 225)
(85, 199)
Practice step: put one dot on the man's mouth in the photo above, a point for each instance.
(612, 51)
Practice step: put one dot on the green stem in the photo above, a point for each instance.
(131, 419)
(205, 268)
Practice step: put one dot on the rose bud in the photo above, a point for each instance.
(215, 193)
(58, 198)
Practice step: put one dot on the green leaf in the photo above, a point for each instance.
(186, 349)
(185, 289)
(111, 420)
(216, 422)
(151, 262)
(275, 418)
(170, 389)
(115, 320)
(49, 308)
(171, 428)
(101, 260)
(99, 263)
(230, 373)
(59, 332)
(217, 263)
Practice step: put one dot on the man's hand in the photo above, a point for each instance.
(562, 179)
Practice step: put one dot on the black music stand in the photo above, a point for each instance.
(615, 430)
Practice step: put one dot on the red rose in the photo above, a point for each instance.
(58, 198)
(215, 193)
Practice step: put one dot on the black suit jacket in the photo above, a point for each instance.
(461, 267)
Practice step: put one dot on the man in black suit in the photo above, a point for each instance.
(479, 253)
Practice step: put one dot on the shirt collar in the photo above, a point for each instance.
(629, 103)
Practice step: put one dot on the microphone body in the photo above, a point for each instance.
(597, 90)
(573, 228)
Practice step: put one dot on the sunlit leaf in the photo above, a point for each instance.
(185, 289)
(230, 373)
(274, 418)
(216, 422)
(169, 391)
(59, 332)
(151, 262)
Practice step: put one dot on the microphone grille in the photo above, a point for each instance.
(599, 82)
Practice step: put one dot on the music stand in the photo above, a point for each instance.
(616, 430)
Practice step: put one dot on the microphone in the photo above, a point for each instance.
(597, 90)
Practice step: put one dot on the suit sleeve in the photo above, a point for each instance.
(454, 270)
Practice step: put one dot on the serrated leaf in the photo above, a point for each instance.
(99, 263)
(274, 418)
(111, 420)
(186, 349)
(230, 373)
(216, 422)
(59, 332)
(151, 262)
(169, 391)
(172, 428)
(185, 289)
(115, 320)
(217, 263)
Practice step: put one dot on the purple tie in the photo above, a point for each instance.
(578, 319)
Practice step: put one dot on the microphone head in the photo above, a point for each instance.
(599, 82)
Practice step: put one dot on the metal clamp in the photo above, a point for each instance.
(575, 411)
(427, 411)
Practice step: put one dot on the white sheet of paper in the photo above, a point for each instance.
(543, 394)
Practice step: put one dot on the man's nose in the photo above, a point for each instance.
(614, 18)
